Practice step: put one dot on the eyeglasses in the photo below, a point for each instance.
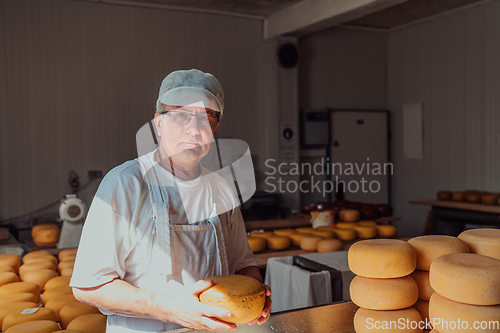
(183, 118)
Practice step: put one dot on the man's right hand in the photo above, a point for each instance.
(185, 309)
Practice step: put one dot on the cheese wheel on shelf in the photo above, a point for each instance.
(10, 262)
(366, 232)
(69, 271)
(326, 227)
(386, 230)
(489, 199)
(367, 223)
(458, 196)
(365, 320)
(326, 234)
(444, 195)
(35, 266)
(310, 242)
(296, 237)
(36, 326)
(429, 248)
(278, 242)
(20, 287)
(7, 269)
(330, 245)
(92, 323)
(70, 264)
(383, 294)
(74, 310)
(8, 277)
(473, 197)
(58, 281)
(54, 292)
(64, 253)
(423, 308)
(467, 278)
(41, 226)
(41, 257)
(345, 225)
(242, 295)
(58, 302)
(424, 284)
(483, 241)
(23, 316)
(305, 230)
(34, 254)
(349, 215)
(257, 244)
(443, 310)
(12, 256)
(284, 232)
(20, 297)
(6, 309)
(346, 234)
(69, 257)
(40, 277)
(382, 258)
(47, 235)
(263, 234)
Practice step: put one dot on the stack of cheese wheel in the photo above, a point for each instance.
(38, 267)
(66, 261)
(428, 249)
(467, 297)
(383, 287)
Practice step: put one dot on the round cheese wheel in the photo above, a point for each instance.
(69, 271)
(30, 255)
(446, 314)
(387, 230)
(70, 263)
(257, 244)
(58, 302)
(69, 257)
(382, 258)
(489, 199)
(324, 233)
(35, 266)
(368, 321)
(36, 326)
(8, 277)
(430, 247)
(423, 308)
(330, 245)
(20, 297)
(458, 196)
(473, 197)
(263, 234)
(305, 230)
(6, 309)
(20, 316)
(310, 242)
(54, 292)
(40, 277)
(345, 225)
(74, 310)
(366, 232)
(326, 227)
(9, 255)
(41, 226)
(349, 215)
(47, 235)
(367, 223)
(64, 253)
(91, 323)
(467, 278)
(483, 241)
(296, 237)
(10, 262)
(284, 232)
(424, 284)
(242, 295)
(41, 257)
(444, 195)
(278, 242)
(384, 294)
(58, 281)
(20, 287)
(7, 269)
(345, 234)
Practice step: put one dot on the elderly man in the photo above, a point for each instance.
(161, 224)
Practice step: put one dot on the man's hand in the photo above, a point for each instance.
(187, 310)
(266, 312)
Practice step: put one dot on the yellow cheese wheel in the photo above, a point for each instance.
(69, 271)
(444, 195)
(9, 255)
(458, 196)
(423, 308)
(324, 233)
(310, 242)
(483, 241)
(330, 245)
(91, 323)
(386, 230)
(33, 254)
(18, 317)
(366, 232)
(345, 225)
(305, 230)
(74, 310)
(20, 297)
(36, 326)
(7, 269)
(467, 278)
(263, 234)
(349, 215)
(40, 277)
(382, 258)
(489, 199)
(429, 248)
(70, 263)
(296, 237)
(367, 223)
(424, 284)
(54, 292)
(284, 232)
(41, 257)
(35, 266)
(443, 310)
(257, 244)
(69, 257)
(58, 281)
(473, 197)
(345, 234)
(242, 295)
(58, 302)
(278, 242)
(20, 287)
(6, 309)
(8, 277)
(10, 262)
(384, 294)
(47, 235)
(368, 321)
(64, 253)
(41, 226)
(326, 227)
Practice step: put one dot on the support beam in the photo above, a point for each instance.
(313, 15)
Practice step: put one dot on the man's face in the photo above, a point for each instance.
(185, 143)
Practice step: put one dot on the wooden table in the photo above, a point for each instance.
(450, 217)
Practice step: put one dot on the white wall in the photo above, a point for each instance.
(450, 64)
(78, 79)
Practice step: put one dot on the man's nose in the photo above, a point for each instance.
(193, 126)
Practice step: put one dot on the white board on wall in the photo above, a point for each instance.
(412, 131)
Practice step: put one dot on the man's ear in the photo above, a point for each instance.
(157, 119)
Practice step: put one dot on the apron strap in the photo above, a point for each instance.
(220, 241)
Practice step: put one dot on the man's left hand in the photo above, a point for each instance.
(266, 312)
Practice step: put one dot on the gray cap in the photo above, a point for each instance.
(191, 87)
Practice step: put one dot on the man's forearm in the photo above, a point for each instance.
(252, 271)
